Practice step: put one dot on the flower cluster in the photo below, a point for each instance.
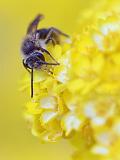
(81, 99)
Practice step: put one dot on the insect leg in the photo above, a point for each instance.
(49, 36)
(50, 63)
(33, 25)
(46, 63)
(45, 68)
(50, 39)
(44, 50)
(55, 30)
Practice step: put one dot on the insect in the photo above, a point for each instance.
(34, 46)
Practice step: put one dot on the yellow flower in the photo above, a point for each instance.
(80, 101)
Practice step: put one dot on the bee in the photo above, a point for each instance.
(34, 46)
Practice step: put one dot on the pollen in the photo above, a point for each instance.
(80, 101)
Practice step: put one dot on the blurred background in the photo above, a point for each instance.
(16, 141)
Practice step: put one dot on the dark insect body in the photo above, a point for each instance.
(34, 46)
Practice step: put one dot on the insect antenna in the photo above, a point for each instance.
(31, 82)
